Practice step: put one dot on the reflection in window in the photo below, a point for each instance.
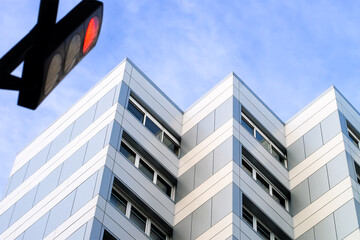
(135, 111)
(166, 188)
(263, 231)
(137, 218)
(247, 125)
(278, 198)
(118, 201)
(153, 128)
(263, 141)
(156, 234)
(146, 170)
(262, 182)
(247, 216)
(171, 145)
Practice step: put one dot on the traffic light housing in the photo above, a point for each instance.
(51, 52)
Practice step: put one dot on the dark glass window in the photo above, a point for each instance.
(166, 188)
(156, 234)
(264, 184)
(118, 201)
(247, 216)
(247, 125)
(277, 155)
(127, 152)
(263, 231)
(146, 169)
(135, 111)
(108, 236)
(263, 141)
(278, 198)
(247, 167)
(153, 128)
(137, 218)
(171, 145)
(353, 139)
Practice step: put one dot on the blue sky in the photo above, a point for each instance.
(287, 52)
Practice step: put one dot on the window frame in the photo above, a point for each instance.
(159, 125)
(254, 175)
(139, 157)
(272, 146)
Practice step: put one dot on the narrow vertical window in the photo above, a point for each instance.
(171, 145)
(108, 236)
(264, 184)
(247, 167)
(118, 201)
(263, 141)
(156, 234)
(247, 216)
(278, 198)
(137, 218)
(166, 188)
(146, 170)
(153, 128)
(135, 111)
(263, 231)
(247, 125)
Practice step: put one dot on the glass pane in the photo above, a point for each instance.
(118, 201)
(127, 152)
(153, 128)
(263, 231)
(247, 125)
(262, 182)
(156, 234)
(137, 218)
(247, 167)
(146, 169)
(166, 188)
(248, 217)
(353, 139)
(135, 111)
(171, 145)
(263, 141)
(108, 236)
(280, 199)
(277, 156)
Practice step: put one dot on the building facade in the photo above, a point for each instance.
(126, 163)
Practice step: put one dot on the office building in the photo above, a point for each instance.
(126, 163)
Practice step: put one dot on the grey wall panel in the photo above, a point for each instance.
(17, 178)
(60, 213)
(205, 127)
(204, 169)
(223, 113)
(309, 235)
(296, 153)
(188, 140)
(84, 193)
(124, 94)
(222, 204)
(105, 178)
(115, 135)
(95, 144)
(83, 121)
(95, 228)
(36, 231)
(201, 219)
(5, 218)
(182, 229)
(185, 184)
(318, 183)
(104, 103)
(351, 166)
(47, 185)
(337, 169)
(237, 202)
(37, 161)
(60, 141)
(357, 209)
(223, 154)
(346, 220)
(236, 110)
(236, 151)
(343, 122)
(73, 163)
(313, 140)
(78, 234)
(300, 197)
(325, 229)
(23, 205)
(330, 126)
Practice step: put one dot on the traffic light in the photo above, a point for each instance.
(54, 55)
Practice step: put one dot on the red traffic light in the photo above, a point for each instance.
(91, 34)
(54, 55)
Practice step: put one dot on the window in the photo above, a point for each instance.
(154, 126)
(147, 169)
(354, 139)
(265, 183)
(257, 225)
(137, 217)
(357, 170)
(127, 152)
(263, 139)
